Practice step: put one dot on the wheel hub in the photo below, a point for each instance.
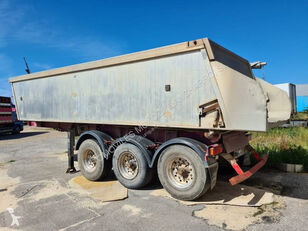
(128, 165)
(181, 172)
(90, 160)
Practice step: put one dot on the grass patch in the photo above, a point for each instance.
(284, 145)
(300, 116)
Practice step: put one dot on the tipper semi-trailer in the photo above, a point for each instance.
(178, 110)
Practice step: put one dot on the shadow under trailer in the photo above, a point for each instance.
(176, 110)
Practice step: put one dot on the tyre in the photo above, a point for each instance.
(182, 173)
(130, 166)
(91, 161)
(240, 160)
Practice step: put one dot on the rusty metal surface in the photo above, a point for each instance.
(234, 141)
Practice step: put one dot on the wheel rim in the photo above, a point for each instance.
(180, 172)
(128, 165)
(90, 161)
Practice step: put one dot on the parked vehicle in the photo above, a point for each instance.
(290, 89)
(176, 110)
(302, 97)
(8, 119)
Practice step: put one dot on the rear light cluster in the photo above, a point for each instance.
(214, 150)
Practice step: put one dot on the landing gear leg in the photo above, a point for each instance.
(70, 150)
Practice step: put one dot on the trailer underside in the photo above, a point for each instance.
(217, 146)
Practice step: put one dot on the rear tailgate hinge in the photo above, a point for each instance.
(212, 108)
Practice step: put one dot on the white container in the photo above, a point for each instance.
(290, 89)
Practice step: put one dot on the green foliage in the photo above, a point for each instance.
(301, 115)
(284, 145)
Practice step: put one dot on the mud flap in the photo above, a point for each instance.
(213, 168)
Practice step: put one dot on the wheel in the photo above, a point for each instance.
(131, 167)
(91, 161)
(182, 173)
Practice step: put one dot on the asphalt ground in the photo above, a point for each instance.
(36, 190)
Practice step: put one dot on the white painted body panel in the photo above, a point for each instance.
(133, 93)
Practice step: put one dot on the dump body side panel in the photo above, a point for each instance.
(193, 85)
(129, 94)
(279, 106)
(243, 98)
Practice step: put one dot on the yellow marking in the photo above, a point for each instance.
(86, 184)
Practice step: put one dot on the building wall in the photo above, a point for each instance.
(302, 103)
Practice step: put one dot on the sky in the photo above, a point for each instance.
(58, 33)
